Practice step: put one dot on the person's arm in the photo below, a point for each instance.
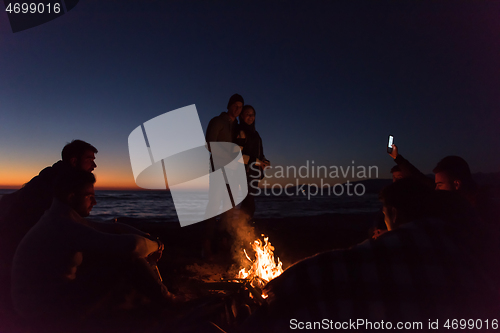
(241, 139)
(112, 245)
(213, 130)
(145, 247)
(264, 162)
(408, 169)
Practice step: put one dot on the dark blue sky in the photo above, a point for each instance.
(329, 79)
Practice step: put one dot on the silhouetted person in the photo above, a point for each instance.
(27, 205)
(222, 128)
(452, 173)
(253, 155)
(19, 211)
(68, 269)
(396, 172)
(421, 268)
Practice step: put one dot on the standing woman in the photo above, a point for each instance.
(253, 155)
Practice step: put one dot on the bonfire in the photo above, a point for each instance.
(264, 268)
(243, 294)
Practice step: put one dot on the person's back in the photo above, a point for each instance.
(45, 263)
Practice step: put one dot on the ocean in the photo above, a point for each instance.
(158, 206)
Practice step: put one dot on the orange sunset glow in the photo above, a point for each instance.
(107, 178)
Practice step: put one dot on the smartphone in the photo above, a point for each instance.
(390, 143)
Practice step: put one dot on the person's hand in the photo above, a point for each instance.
(153, 257)
(394, 152)
(265, 164)
(378, 232)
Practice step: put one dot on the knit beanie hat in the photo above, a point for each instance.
(235, 98)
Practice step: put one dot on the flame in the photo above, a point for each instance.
(264, 266)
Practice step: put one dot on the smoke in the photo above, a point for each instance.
(243, 235)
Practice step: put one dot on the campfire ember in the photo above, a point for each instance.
(264, 268)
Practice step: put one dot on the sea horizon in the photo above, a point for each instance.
(158, 205)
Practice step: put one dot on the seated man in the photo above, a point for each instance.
(453, 174)
(19, 211)
(420, 270)
(28, 204)
(68, 268)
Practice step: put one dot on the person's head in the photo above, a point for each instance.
(247, 115)
(452, 173)
(76, 189)
(234, 106)
(80, 154)
(404, 201)
(397, 174)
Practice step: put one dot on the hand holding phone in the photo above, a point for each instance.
(390, 143)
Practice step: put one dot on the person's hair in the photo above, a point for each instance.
(76, 148)
(457, 169)
(395, 168)
(248, 129)
(72, 181)
(246, 107)
(235, 98)
(409, 197)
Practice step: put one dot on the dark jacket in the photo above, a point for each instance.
(409, 170)
(252, 146)
(221, 129)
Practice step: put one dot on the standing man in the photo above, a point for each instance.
(222, 128)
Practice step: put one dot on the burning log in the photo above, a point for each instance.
(237, 298)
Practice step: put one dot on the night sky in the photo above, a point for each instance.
(329, 80)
